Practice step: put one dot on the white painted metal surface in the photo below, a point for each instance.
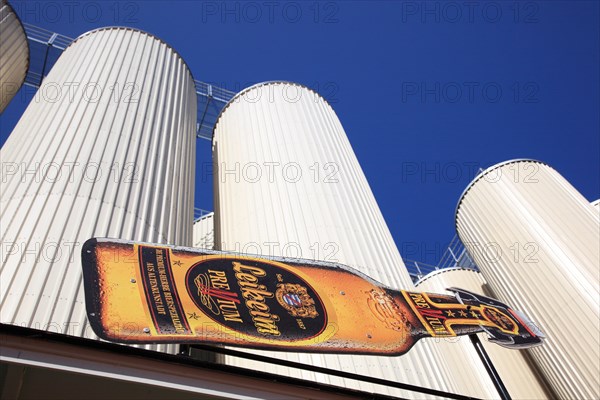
(184, 381)
(288, 183)
(203, 232)
(536, 240)
(14, 54)
(519, 375)
(113, 156)
(596, 205)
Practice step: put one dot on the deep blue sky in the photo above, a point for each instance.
(427, 91)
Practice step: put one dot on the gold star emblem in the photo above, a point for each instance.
(178, 263)
(473, 313)
(193, 315)
(462, 313)
(450, 313)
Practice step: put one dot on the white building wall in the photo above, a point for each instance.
(288, 183)
(114, 157)
(519, 375)
(536, 240)
(14, 54)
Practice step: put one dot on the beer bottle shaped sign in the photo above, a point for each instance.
(145, 293)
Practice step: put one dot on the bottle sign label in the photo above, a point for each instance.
(250, 296)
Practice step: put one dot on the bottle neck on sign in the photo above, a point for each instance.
(445, 316)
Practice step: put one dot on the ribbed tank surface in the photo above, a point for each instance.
(536, 240)
(109, 152)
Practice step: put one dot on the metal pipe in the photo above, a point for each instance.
(489, 367)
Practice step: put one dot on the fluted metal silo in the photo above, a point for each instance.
(287, 183)
(111, 154)
(519, 375)
(14, 54)
(536, 240)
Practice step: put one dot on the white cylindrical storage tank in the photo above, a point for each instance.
(113, 156)
(287, 183)
(536, 240)
(516, 369)
(14, 54)
(203, 232)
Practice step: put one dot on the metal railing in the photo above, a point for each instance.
(418, 269)
(455, 256)
(211, 100)
(200, 213)
(46, 46)
(44, 36)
